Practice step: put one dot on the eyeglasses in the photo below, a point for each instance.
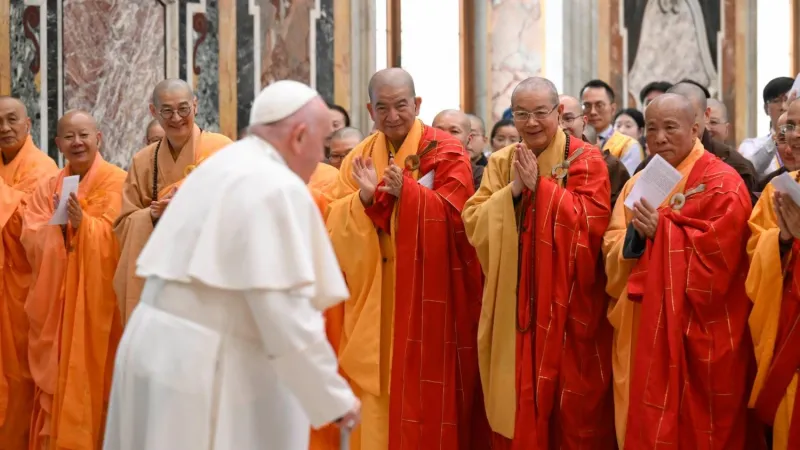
(524, 116)
(788, 128)
(183, 111)
(568, 120)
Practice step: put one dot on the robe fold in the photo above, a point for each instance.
(681, 350)
(134, 224)
(548, 386)
(17, 181)
(74, 321)
(408, 341)
(773, 284)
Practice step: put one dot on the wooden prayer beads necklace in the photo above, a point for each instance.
(155, 168)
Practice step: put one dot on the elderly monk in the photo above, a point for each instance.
(154, 175)
(343, 142)
(772, 285)
(676, 275)
(227, 349)
(599, 108)
(459, 126)
(537, 222)
(21, 167)
(789, 162)
(408, 345)
(155, 132)
(74, 320)
(699, 101)
(573, 122)
(718, 125)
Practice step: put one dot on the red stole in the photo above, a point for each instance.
(689, 380)
(435, 395)
(786, 361)
(563, 363)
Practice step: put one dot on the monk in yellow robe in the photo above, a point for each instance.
(22, 165)
(75, 323)
(676, 271)
(154, 175)
(773, 284)
(410, 324)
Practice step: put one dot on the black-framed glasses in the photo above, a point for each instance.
(183, 111)
(524, 116)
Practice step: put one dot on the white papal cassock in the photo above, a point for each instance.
(227, 348)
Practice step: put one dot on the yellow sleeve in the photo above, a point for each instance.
(617, 267)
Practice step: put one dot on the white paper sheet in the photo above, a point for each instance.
(427, 180)
(655, 183)
(68, 186)
(785, 184)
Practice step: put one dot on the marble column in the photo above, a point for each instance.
(517, 48)
(580, 36)
(322, 54)
(199, 57)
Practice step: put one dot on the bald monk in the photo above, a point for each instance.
(22, 165)
(772, 285)
(343, 141)
(573, 122)
(408, 344)
(154, 175)
(537, 222)
(789, 162)
(154, 132)
(697, 97)
(718, 125)
(459, 126)
(676, 274)
(74, 320)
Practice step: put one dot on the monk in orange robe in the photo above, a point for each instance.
(408, 344)
(676, 272)
(773, 284)
(544, 345)
(22, 165)
(74, 320)
(154, 175)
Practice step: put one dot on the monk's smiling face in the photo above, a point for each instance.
(14, 125)
(793, 122)
(536, 115)
(393, 104)
(174, 107)
(78, 140)
(672, 128)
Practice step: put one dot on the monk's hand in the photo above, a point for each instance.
(645, 219)
(74, 211)
(788, 217)
(55, 201)
(392, 180)
(526, 167)
(366, 177)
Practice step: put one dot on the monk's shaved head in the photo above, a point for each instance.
(673, 105)
(7, 101)
(171, 85)
(348, 133)
(536, 84)
(720, 107)
(671, 127)
(454, 115)
(691, 91)
(154, 132)
(393, 77)
(571, 104)
(454, 122)
(75, 115)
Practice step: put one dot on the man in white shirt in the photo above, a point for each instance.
(227, 348)
(761, 150)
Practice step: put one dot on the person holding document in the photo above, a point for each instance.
(537, 222)
(74, 319)
(772, 285)
(676, 269)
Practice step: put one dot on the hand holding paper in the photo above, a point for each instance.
(654, 184)
(69, 185)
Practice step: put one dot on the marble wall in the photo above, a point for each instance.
(106, 55)
(516, 36)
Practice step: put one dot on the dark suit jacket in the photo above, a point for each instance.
(617, 174)
(729, 156)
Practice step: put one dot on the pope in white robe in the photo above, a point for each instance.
(227, 348)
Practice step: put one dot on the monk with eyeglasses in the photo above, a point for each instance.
(154, 175)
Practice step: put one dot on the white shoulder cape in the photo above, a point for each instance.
(244, 221)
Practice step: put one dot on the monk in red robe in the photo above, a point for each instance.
(410, 325)
(544, 345)
(676, 272)
(75, 324)
(22, 165)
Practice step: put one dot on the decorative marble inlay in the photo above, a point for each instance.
(517, 43)
(113, 77)
(248, 28)
(324, 50)
(24, 30)
(204, 76)
(285, 45)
